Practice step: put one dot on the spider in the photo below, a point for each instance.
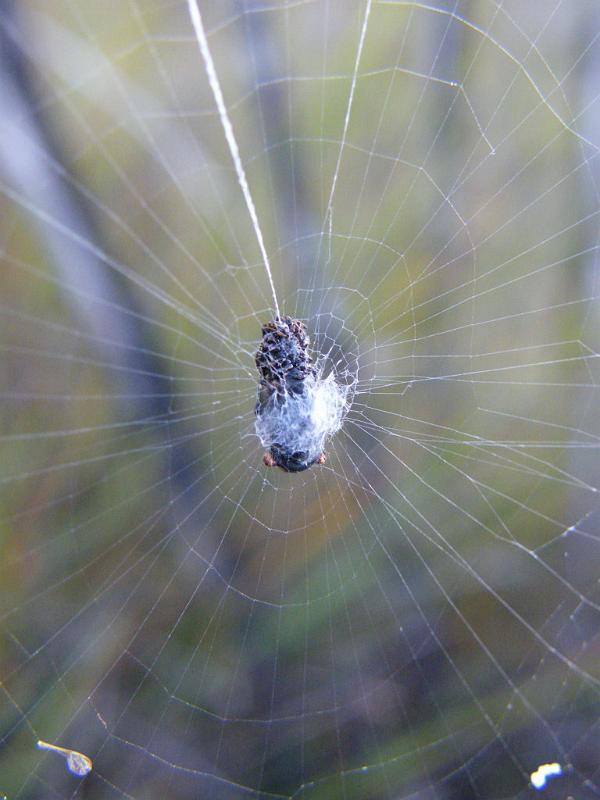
(293, 410)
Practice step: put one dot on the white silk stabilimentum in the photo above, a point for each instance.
(302, 423)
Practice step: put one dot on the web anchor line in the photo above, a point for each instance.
(215, 86)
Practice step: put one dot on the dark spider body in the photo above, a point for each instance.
(284, 364)
(283, 359)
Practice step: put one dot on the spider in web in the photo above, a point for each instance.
(297, 409)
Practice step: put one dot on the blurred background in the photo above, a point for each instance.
(419, 617)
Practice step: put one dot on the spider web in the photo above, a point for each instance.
(418, 617)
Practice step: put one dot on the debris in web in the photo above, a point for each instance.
(297, 408)
(77, 763)
(543, 772)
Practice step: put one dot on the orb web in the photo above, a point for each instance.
(418, 616)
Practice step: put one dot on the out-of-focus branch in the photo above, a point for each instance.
(33, 165)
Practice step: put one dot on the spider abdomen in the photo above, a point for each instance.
(283, 357)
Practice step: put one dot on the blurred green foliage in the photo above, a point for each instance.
(408, 620)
